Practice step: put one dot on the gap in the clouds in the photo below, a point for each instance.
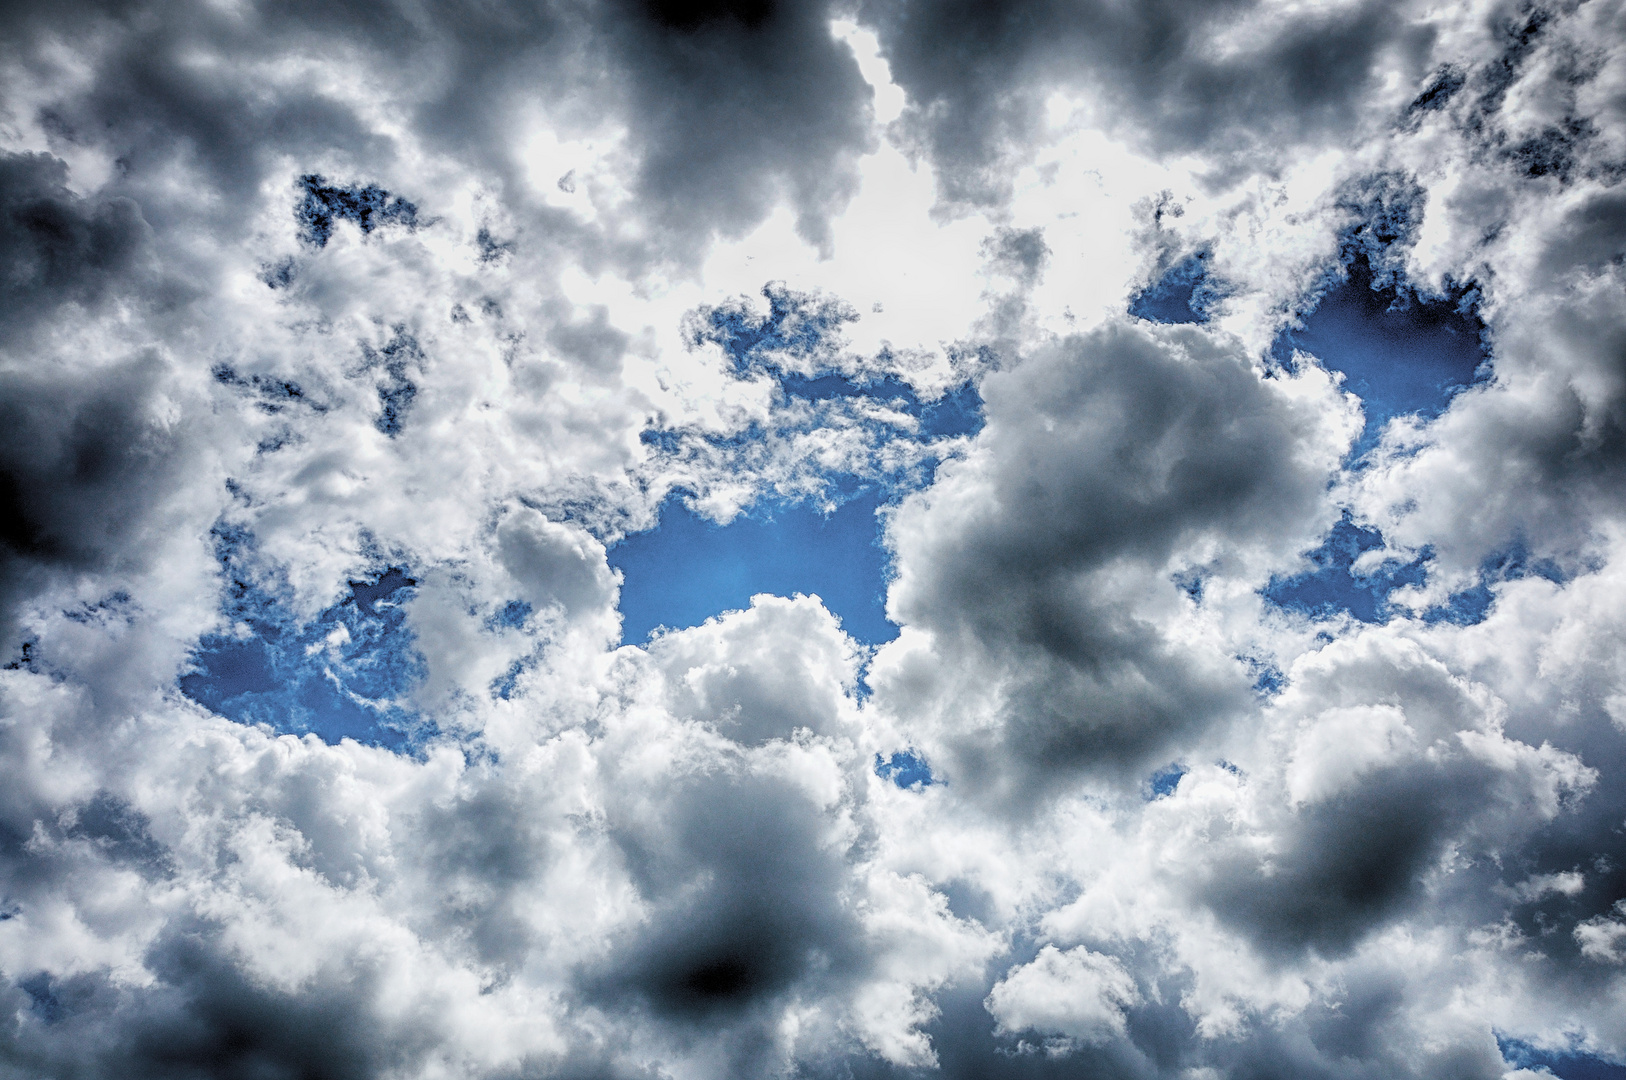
(367, 207)
(344, 674)
(1566, 1065)
(1471, 605)
(956, 412)
(1401, 352)
(1164, 782)
(688, 569)
(905, 768)
(798, 343)
(1184, 293)
(1335, 586)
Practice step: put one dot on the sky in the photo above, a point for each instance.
(660, 540)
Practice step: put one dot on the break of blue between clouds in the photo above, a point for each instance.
(348, 672)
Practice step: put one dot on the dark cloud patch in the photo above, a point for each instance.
(1020, 253)
(120, 831)
(57, 247)
(1592, 236)
(1102, 454)
(1354, 862)
(737, 104)
(484, 854)
(206, 1020)
(691, 15)
(202, 1017)
(1363, 856)
(731, 106)
(1519, 36)
(592, 343)
(977, 73)
(85, 469)
(747, 904)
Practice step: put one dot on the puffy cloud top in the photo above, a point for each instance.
(1239, 390)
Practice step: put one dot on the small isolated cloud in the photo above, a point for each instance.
(1078, 994)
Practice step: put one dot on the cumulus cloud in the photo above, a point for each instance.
(1077, 994)
(1244, 715)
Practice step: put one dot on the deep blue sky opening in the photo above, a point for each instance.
(1332, 588)
(688, 569)
(1564, 1065)
(1183, 294)
(1163, 782)
(957, 412)
(905, 768)
(1400, 352)
(300, 678)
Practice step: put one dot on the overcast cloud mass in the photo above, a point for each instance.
(1236, 390)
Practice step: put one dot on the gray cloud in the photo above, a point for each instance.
(60, 248)
(977, 74)
(1042, 562)
(86, 468)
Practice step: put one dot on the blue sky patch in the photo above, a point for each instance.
(1331, 588)
(1565, 1065)
(796, 325)
(342, 675)
(905, 769)
(1471, 605)
(1183, 294)
(1164, 782)
(1400, 352)
(958, 412)
(687, 569)
(367, 208)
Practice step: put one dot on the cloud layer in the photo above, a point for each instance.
(1240, 721)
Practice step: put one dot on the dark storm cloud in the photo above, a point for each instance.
(204, 1019)
(977, 75)
(728, 108)
(739, 104)
(58, 248)
(1355, 861)
(747, 906)
(1103, 455)
(85, 469)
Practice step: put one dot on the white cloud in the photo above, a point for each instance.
(1373, 846)
(1078, 994)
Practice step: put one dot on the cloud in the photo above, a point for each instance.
(1077, 994)
(1043, 565)
(340, 346)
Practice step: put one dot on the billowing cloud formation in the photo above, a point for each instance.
(1241, 388)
